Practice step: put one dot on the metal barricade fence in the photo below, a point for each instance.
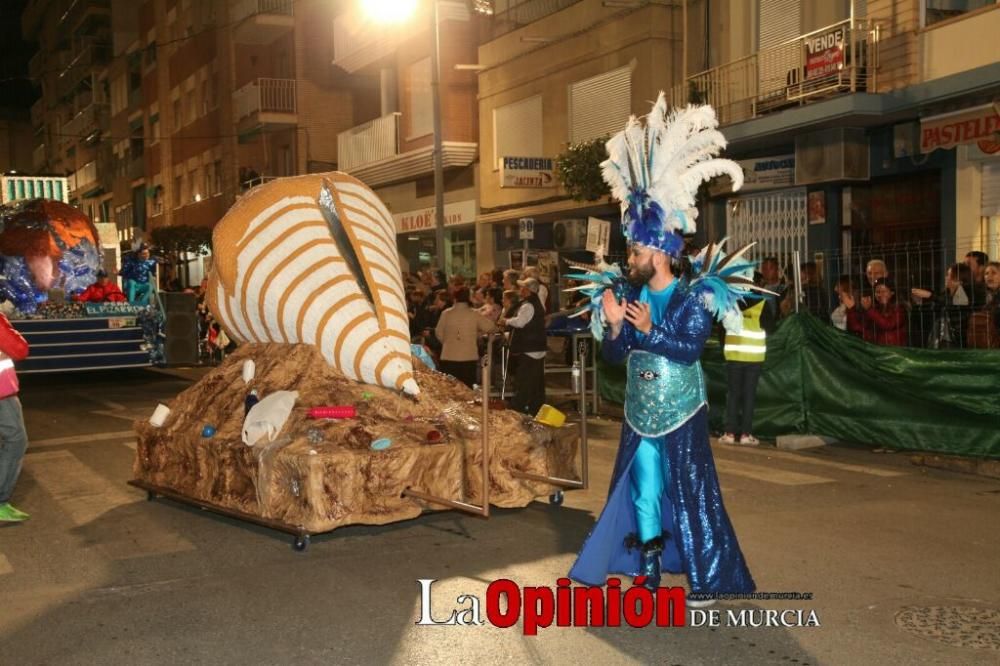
(947, 319)
(933, 315)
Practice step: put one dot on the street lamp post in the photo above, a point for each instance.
(438, 156)
(397, 11)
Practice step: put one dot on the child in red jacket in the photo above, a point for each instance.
(102, 291)
(13, 438)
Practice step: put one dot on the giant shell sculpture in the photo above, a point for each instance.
(312, 259)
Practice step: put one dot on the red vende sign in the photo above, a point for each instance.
(979, 124)
(825, 53)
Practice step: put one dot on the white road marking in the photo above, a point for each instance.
(116, 406)
(80, 491)
(85, 496)
(125, 416)
(768, 474)
(810, 460)
(80, 439)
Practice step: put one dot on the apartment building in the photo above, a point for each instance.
(163, 112)
(555, 73)
(234, 93)
(863, 127)
(70, 120)
(390, 146)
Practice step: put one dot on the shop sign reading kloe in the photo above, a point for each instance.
(527, 172)
(459, 212)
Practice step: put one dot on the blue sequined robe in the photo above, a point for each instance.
(700, 540)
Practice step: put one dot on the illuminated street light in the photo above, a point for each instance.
(389, 11)
(396, 12)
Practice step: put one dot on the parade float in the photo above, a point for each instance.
(50, 251)
(323, 417)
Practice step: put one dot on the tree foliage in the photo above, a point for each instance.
(579, 170)
(182, 238)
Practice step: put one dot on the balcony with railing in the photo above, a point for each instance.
(93, 116)
(38, 158)
(266, 102)
(370, 152)
(262, 21)
(509, 15)
(78, 10)
(84, 179)
(38, 114)
(840, 59)
(36, 66)
(89, 56)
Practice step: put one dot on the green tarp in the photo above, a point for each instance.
(821, 381)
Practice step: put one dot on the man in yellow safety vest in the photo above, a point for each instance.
(745, 352)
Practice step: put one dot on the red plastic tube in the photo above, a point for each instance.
(332, 412)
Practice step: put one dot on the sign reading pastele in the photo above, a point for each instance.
(825, 53)
(980, 124)
(459, 212)
(527, 172)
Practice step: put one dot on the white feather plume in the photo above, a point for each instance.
(668, 154)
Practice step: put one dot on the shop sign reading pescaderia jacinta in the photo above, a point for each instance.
(527, 172)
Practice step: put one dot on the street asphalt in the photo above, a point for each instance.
(900, 560)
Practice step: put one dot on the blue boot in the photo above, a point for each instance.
(649, 562)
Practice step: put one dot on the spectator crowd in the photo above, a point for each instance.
(962, 313)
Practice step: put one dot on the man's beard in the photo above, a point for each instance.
(641, 274)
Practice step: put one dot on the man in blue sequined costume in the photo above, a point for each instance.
(139, 271)
(664, 507)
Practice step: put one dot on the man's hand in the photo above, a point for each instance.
(639, 316)
(614, 311)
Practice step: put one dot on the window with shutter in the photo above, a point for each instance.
(600, 105)
(991, 189)
(421, 104)
(517, 130)
(780, 21)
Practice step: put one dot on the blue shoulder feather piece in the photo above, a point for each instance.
(722, 281)
(596, 279)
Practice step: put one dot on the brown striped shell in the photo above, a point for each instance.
(313, 259)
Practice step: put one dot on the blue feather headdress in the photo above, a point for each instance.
(655, 167)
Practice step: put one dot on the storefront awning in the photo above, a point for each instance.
(979, 124)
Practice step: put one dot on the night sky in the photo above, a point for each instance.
(16, 91)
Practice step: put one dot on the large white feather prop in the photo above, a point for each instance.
(656, 165)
